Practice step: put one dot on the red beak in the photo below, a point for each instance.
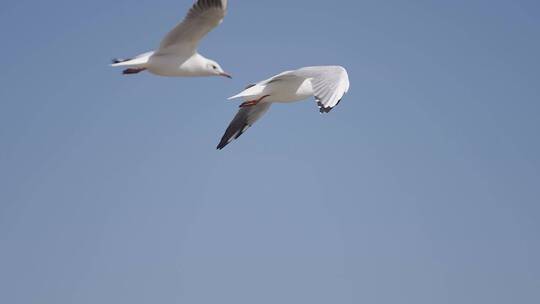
(225, 75)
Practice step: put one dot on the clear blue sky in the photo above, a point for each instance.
(422, 187)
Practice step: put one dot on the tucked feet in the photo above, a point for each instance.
(251, 103)
(133, 71)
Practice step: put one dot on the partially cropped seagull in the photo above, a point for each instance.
(327, 84)
(177, 55)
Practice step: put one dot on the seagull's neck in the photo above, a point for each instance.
(199, 58)
(196, 64)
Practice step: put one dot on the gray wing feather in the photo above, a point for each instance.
(203, 16)
(244, 119)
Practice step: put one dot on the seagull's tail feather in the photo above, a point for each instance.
(120, 60)
(250, 91)
(140, 61)
(132, 62)
(235, 96)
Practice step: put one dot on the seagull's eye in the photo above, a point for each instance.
(214, 67)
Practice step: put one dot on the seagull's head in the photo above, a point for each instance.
(215, 69)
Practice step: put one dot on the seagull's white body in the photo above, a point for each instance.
(177, 66)
(292, 90)
(177, 54)
(327, 84)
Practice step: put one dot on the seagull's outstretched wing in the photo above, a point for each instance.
(203, 16)
(244, 119)
(329, 83)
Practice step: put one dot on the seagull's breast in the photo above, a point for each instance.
(175, 66)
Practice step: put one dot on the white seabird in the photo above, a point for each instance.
(327, 84)
(177, 54)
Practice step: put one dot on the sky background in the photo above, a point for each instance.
(423, 185)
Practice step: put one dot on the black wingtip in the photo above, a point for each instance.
(228, 138)
(225, 140)
(221, 145)
(322, 109)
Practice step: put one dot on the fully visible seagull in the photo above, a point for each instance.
(177, 54)
(327, 84)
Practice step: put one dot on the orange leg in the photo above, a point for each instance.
(133, 71)
(251, 103)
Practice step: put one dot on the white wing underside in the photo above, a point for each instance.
(329, 84)
(184, 39)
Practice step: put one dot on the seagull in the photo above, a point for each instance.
(327, 84)
(177, 54)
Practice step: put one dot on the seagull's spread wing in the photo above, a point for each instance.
(244, 119)
(204, 16)
(329, 83)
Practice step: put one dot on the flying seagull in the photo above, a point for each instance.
(327, 84)
(177, 54)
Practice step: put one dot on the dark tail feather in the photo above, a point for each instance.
(120, 60)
